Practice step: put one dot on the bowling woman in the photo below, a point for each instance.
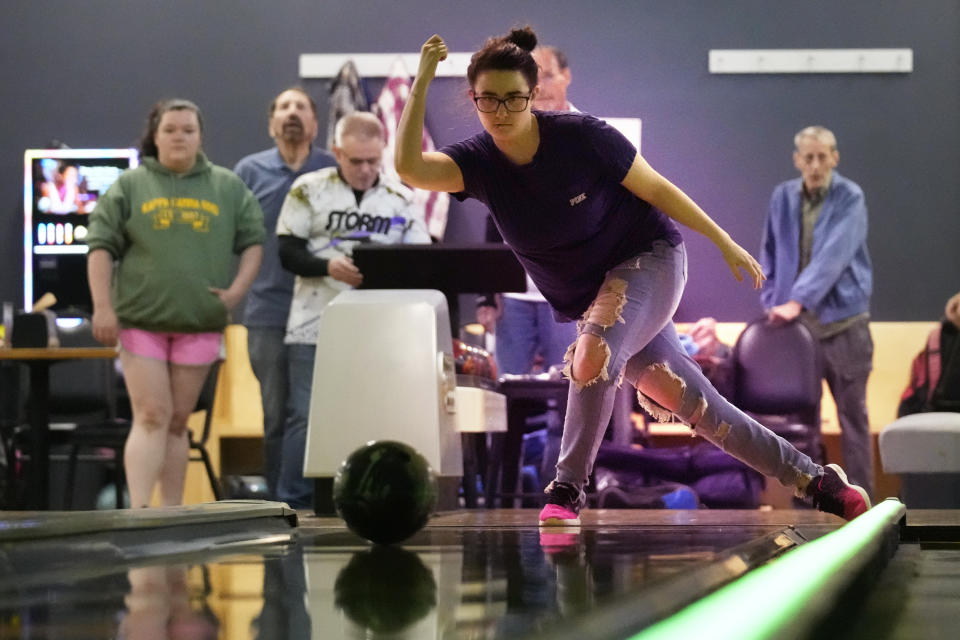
(595, 226)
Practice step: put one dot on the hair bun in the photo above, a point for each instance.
(523, 37)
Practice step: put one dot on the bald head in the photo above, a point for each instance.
(359, 124)
(816, 132)
(359, 139)
(815, 156)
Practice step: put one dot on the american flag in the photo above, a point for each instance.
(388, 108)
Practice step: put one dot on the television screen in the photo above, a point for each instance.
(60, 190)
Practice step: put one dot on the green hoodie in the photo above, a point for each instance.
(174, 236)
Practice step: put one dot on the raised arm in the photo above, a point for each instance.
(645, 183)
(433, 171)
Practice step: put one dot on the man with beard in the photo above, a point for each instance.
(269, 174)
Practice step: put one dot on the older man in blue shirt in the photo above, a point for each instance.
(818, 271)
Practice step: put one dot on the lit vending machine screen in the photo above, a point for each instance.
(61, 190)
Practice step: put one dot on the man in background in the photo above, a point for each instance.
(553, 79)
(818, 271)
(325, 215)
(292, 123)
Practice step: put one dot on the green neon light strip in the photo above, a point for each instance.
(767, 602)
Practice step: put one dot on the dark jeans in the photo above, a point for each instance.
(847, 362)
(268, 358)
(527, 327)
(294, 489)
(284, 615)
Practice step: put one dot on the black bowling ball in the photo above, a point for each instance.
(385, 590)
(385, 491)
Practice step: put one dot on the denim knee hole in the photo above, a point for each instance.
(602, 374)
(677, 396)
(605, 310)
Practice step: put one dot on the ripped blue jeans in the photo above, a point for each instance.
(632, 317)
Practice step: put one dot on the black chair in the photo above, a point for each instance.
(776, 378)
(113, 436)
(10, 419)
(82, 392)
(198, 446)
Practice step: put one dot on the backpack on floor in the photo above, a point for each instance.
(934, 374)
(714, 476)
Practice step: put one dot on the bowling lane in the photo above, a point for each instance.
(496, 576)
(482, 574)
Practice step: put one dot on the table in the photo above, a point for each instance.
(525, 397)
(39, 360)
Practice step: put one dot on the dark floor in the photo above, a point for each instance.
(918, 594)
(468, 574)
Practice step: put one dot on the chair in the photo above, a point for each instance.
(776, 379)
(208, 396)
(114, 436)
(10, 418)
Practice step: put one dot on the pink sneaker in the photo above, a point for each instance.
(564, 501)
(561, 542)
(833, 493)
(553, 542)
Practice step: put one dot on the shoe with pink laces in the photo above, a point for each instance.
(564, 501)
(833, 493)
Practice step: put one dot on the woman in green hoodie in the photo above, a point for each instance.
(162, 241)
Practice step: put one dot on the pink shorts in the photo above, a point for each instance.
(178, 348)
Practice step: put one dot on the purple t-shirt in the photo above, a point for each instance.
(565, 214)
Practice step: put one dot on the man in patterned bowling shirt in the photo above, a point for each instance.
(325, 215)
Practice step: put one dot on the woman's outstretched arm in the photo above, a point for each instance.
(431, 170)
(645, 183)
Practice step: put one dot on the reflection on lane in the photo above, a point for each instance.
(447, 582)
(489, 583)
(162, 603)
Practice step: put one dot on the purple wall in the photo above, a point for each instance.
(86, 74)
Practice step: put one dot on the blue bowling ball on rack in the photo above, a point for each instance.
(385, 491)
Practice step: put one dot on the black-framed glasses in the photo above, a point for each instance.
(490, 104)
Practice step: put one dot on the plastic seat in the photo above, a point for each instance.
(776, 378)
(924, 449)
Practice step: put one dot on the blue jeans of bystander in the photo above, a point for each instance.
(294, 489)
(268, 358)
(526, 328)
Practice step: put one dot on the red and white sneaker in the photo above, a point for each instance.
(833, 493)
